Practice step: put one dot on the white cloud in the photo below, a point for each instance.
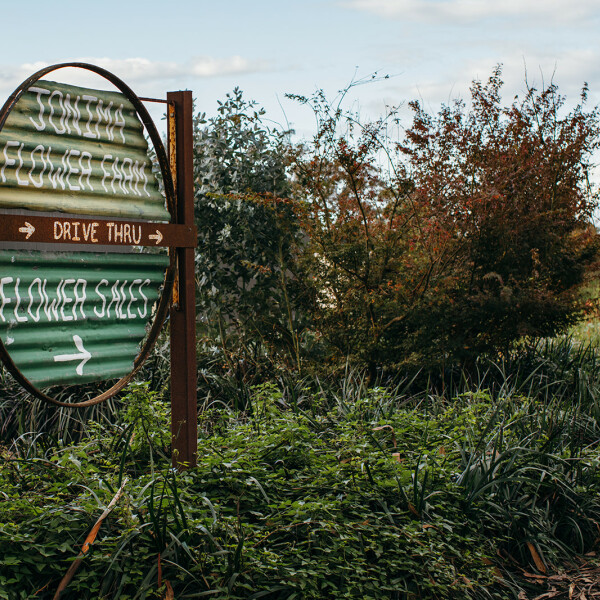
(137, 72)
(147, 78)
(467, 11)
(142, 69)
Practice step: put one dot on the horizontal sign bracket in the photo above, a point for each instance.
(37, 229)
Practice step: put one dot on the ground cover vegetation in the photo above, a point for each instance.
(386, 407)
(321, 490)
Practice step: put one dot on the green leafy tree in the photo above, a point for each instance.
(247, 237)
(236, 153)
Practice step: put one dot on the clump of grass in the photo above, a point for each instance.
(21, 413)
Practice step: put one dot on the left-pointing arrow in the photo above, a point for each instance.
(83, 355)
(28, 229)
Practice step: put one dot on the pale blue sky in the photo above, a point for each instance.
(430, 48)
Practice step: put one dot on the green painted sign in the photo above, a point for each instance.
(77, 316)
(81, 151)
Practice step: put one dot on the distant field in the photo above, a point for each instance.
(588, 330)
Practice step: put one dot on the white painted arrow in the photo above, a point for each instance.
(158, 237)
(83, 355)
(28, 229)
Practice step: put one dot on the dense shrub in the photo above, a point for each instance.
(248, 292)
(507, 190)
(235, 152)
(468, 233)
(248, 296)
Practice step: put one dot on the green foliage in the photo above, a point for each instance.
(247, 293)
(248, 297)
(148, 419)
(235, 152)
(318, 491)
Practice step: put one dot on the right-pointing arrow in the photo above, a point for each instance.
(158, 237)
(29, 229)
(83, 355)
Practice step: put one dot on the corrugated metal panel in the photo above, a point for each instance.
(76, 317)
(77, 150)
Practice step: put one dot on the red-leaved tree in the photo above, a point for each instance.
(472, 231)
(508, 189)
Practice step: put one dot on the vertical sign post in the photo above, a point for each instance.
(184, 419)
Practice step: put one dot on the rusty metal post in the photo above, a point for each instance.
(184, 419)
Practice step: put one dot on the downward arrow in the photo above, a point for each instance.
(83, 355)
(28, 229)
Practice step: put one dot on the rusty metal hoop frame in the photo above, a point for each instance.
(163, 305)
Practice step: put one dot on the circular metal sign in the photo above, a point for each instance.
(82, 284)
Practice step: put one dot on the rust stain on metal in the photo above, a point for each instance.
(172, 150)
(172, 137)
(175, 300)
